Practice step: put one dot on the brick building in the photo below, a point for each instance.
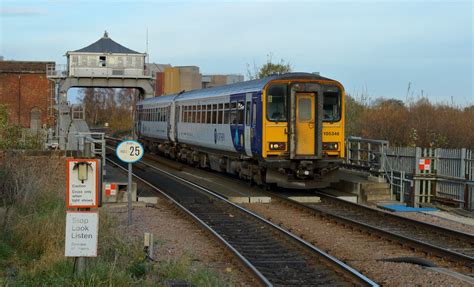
(25, 89)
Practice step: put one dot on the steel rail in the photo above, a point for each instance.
(349, 271)
(262, 279)
(455, 256)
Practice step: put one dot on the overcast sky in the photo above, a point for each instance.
(371, 47)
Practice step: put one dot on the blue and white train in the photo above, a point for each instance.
(285, 129)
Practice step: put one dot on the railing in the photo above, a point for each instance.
(56, 71)
(62, 71)
(447, 175)
(93, 143)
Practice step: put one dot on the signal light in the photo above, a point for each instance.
(277, 146)
(330, 146)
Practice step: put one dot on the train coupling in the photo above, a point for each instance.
(305, 170)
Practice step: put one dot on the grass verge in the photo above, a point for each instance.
(32, 237)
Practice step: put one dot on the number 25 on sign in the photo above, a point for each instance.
(130, 151)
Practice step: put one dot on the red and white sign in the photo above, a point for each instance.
(110, 189)
(424, 164)
(82, 183)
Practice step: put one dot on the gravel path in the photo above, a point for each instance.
(179, 236)
(359, 250)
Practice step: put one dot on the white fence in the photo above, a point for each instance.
(418, 175)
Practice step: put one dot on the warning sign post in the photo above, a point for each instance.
(82, 183)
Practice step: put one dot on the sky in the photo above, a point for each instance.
(374, 48)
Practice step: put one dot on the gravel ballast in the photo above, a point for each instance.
(361, 251)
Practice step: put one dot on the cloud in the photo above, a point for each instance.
(22, 11)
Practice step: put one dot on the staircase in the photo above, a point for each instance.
(374, 191)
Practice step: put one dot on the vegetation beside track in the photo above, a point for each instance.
(32, 191)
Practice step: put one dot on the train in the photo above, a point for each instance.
(283, 130)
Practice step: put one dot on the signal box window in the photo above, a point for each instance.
(102, 61)
(332, 107)
(276, 103)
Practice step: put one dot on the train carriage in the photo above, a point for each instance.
(285, 129)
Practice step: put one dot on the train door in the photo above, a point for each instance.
(254, 140)
(248, 127)
(138, 121)
(174, 126)
(305, 124)
(237, 125)
(169, 127)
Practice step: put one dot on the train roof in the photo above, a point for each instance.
(232, 89)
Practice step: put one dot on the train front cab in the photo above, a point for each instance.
(303, 131)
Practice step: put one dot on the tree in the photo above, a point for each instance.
(268, 69)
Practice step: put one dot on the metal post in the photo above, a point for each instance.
(129, 191)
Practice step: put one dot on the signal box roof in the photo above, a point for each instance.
(106, 45)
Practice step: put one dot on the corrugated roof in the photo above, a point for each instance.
(107, 45)
(232, 89)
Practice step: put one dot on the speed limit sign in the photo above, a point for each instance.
(130, 151)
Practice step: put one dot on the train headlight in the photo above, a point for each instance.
(330, 146)
(277, 146)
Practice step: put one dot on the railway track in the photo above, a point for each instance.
(275, 256)
(452, 245)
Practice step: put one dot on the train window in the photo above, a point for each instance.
(198, 111)
(220, 119)
(185, 114)
(214, 114)
(194, 114)
(247, 114)
(305, 113)
(276, 103)
(240, 112)
(331, 107)
(208, 114)
(190, 119)
(204, 112)
(233, 113)
(226, 113)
